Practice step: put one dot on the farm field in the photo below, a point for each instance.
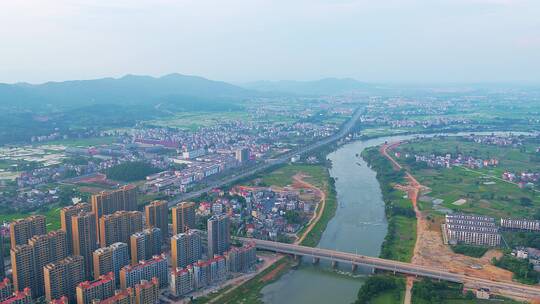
(84, 142)
(480, 191)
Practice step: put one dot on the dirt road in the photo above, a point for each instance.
(300, 182)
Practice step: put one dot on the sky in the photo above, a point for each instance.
(391, 41)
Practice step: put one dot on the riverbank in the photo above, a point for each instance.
(401, 236)
(400, 239)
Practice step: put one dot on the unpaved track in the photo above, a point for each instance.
(299, 180)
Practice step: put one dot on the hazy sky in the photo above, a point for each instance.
(245, 40)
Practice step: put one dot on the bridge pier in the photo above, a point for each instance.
(354, 267)
(315, 261)
(334, 264)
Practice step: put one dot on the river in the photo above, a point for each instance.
(359, 226)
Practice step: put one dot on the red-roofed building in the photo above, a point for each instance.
(99, 289)
(19, 297)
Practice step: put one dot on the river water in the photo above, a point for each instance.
(359, 226)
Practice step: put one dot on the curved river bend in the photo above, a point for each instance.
(359, 226)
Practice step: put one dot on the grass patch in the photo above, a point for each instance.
(468, 250)
(399, 242)
(428, 291)
(381, 289)
(52, 215)
(522, 269)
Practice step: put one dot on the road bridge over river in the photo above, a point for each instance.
(512, 289)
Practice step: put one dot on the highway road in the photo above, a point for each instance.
(503, 288)
(345, 129)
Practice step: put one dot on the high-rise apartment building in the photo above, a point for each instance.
(241, 259)
(108, 202)
(22, 266)
(119, 226)
(62, 277)
(182, 281)
(83, 238)
(99, 289)
(23, 229)
(145, 270)
(28, 260)
(157, 215)
(65, 220)
(111, 259)
(183, 217)
(145, 244)
(242, 155)
(147, 292)
(219, 235)
(186, 248)
(48, 248)
(209, 272)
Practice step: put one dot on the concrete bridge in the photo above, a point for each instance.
(505, 288)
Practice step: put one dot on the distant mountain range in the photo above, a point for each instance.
(173, 88)
(127, 90)
(326, 86)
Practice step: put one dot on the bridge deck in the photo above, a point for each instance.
(532, 292)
